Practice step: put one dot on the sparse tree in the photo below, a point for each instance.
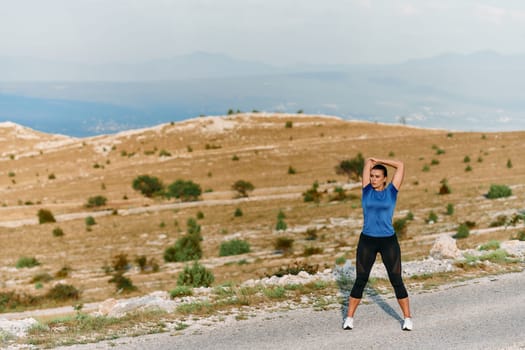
(243, 187)
(148, 185)
(185, 190)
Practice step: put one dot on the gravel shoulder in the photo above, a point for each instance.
(485, 313)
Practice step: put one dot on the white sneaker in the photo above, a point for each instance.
(407, 324)
(349, 323)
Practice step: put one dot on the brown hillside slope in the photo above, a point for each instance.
(60, 174)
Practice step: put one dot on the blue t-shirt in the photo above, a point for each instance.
(378, 210)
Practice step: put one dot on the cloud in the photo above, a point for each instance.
(409, 10)
(490, 14)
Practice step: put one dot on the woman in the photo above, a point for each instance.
(378, 202)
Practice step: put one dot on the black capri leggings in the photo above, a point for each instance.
(367, 249)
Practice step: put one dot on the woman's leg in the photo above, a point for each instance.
(365, 258)
(391, 255)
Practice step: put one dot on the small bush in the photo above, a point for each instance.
(185, 248)
(295, 268)
(445, 188)
(288, 124)
(311, 234)
(63, 272)
(242, 187)
(291, 170)
(466, 159)
(25, 261)
(499, 191)
(450, 209)
(281, 225)
(284, 244)
(90, 221)
(432, 217)
(164, 153)
(491, 245)
(501, 220)
(200, 215)
(120, 262)
(63, 292)
(45, 216)
(41, 277)
(234, 247)
(462, 232)
(122, 283)
(400, 227)
(195, 275)
(58, 232)
(495, 256)
(520, 236)
(238, 212)
(311, 250)
(185, 190)
(352, 168)
(312, 194)
(96, 201)
(148, 185)
(509, 163)
(181, 291)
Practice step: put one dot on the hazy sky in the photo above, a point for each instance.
(271, 31)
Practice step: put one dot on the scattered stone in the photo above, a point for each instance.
(515, 248)
(445, 248)
(118, 308)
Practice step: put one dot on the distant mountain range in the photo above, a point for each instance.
(483, 91)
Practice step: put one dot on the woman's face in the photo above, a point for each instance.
(377, 179)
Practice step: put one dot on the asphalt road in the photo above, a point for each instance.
(487, 313)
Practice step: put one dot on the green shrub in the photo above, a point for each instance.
(520, 236)
(509, 163)
(120, 262)
(41, 277)
(284, 244)
(288, 124)
(234, 247)
(164, 153)
(291, 170)
(184, 190)
(122, 283)
(274, 292)
(90, 221)
(185, 248)
(426, 168)
(242, 188)
(352, 168)
(281, 225)
(490, 245)
(432, 217)
(495, 256)
(450, 209)
(63, 272)
(148, 185)
(311, 250)
(45, 216)
(434, 162)
(311, 234)
(96, 201)
(400, 227)
(181, 291)
(499, 191)
(468, 168)
(462, 232)
(501, 220)
(195, 275)
(58, 232)
(200, 215)
(312, 194)
(63, 292)
(445, 188)
(340, 260)
(25, 261)
(238, 212)
(295, 268)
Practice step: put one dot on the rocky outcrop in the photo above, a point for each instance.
(445, 248)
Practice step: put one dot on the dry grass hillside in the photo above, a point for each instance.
(41, 171)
